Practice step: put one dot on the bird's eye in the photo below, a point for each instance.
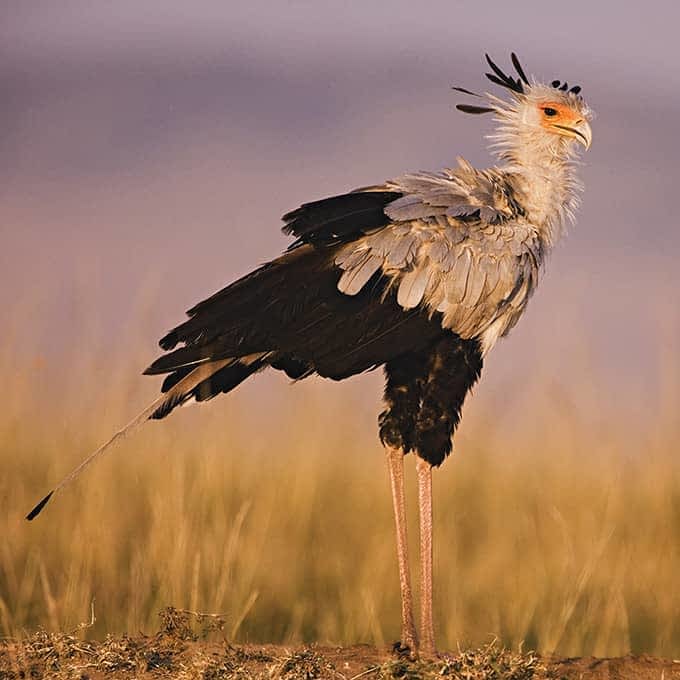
(550, 111)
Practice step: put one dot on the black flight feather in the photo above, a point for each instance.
(339, 219)
(293, 313)
(322, 224)
(184, 357)
(222, 381)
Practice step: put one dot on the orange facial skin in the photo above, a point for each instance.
(561, 119)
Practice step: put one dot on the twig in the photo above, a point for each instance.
(373, 669)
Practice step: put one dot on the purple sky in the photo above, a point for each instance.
(153, 147)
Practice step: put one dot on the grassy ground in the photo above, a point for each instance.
(180, 650)
(177, 652)
(557, 526)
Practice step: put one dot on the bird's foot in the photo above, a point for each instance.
(403, 650)
(415, 652)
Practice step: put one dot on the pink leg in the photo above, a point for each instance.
(395, 463)
(424, 470)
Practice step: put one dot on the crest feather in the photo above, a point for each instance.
(514, 84)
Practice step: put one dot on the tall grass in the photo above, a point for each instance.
(560, 529)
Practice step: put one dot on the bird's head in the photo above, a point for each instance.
(551, 117)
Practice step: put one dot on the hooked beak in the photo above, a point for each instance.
(580, 131)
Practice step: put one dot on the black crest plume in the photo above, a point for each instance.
(499, 78)
(563, 87)
(515, 84)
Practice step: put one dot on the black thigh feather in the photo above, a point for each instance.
(424, 394)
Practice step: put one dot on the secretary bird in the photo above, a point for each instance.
(420, 275)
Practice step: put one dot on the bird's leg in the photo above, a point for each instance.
(395, 463)
(424, 470)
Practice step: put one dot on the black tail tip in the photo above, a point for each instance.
(36, 510)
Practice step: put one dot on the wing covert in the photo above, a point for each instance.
(456, 244)
(460, 192)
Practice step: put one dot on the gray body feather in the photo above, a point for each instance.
(459, 243)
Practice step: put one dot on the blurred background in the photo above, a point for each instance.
(149, 150)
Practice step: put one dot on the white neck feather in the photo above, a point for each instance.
(542, 169)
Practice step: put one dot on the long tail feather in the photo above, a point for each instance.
(182, 387)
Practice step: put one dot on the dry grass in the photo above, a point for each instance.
(489, 662)
(63, 657)
(271, 507)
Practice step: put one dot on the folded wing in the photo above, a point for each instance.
(373, 274)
